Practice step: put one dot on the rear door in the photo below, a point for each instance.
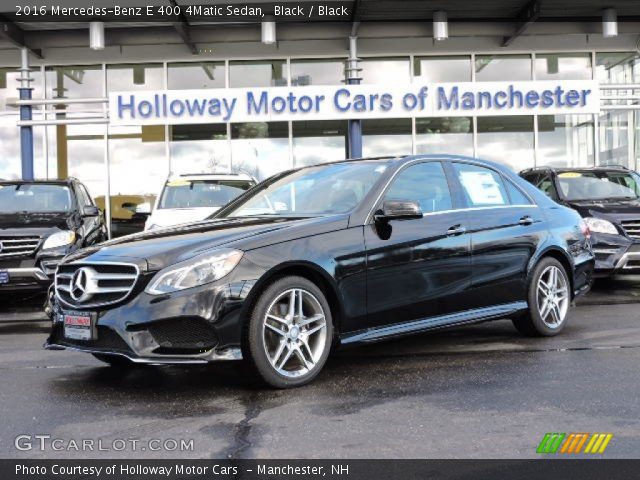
(506, 228)
(418, 268)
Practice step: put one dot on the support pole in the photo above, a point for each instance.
(352, 71)
(26, 113)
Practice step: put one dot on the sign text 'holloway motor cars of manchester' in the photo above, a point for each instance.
(351, 101)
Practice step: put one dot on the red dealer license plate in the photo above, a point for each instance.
(79, 326)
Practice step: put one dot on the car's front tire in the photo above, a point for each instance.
(289, 334)
(549, 299)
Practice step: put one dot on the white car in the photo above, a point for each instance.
(191, 198)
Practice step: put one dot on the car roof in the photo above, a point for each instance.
(211, 176)
(65, 181)
(599, 168)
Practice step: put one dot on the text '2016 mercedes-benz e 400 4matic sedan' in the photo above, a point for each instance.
(335, 254)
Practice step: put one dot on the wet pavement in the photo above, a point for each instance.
(480, 391)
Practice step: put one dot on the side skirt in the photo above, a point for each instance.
(432, 323)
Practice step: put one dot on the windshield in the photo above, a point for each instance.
(202, 193)
(34, 198)
(599, 185)
(319, 190)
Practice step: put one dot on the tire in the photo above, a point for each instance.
(282, 348)
(548, 304)
(115, 361)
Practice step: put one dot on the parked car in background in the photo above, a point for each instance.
(341, 253)
(190, 198)
(128, 212)
(608, 198)
(40, 223)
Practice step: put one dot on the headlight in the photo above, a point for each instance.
(59, 239)
(601, 226)
(197, 271)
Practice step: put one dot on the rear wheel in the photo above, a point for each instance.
(288, 337)
(115, 361)
(549, 298)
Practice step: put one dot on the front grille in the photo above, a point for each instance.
(108, 340)
(632, 228)
(183, 334)
(18, 246)
(85, 285)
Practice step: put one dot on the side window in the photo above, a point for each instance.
(482, 186)
(86, 194)
(424, 183)
(516, 196)
(545, 183)
(82, 199)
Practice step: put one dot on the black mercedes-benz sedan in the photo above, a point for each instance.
(608, 198)
(335, 254)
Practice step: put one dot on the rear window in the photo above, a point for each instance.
(202, 193)
(35, 198)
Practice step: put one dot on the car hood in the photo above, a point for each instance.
(610, 209)
(34, 223)
(166, 217)
(156, 249)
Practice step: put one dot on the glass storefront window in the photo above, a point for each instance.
(317, 72)
(495, 68)
(507, 139)
(261, 73)
(442, 69)
(391, 71)
(618, 67)
(319, 142)
(390, 136)
(76, 81)
(194, 75)
(142, 76)
(10, 155)
(565, 140)
(563, 66)
(199, 148)
(445, 135)
(260, 149)
(139, 168)
(618, 137)
(9, 85)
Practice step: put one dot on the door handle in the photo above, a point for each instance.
(526, 220)
(456, 230)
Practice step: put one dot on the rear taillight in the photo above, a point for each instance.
(585, 229)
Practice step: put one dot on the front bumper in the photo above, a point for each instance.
(29, 275)
(615, 255)
(198, 325)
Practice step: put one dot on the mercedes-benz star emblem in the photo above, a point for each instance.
(82, 282)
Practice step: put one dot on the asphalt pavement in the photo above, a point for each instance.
(480, 391)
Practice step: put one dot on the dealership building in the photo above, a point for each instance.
(119, 109)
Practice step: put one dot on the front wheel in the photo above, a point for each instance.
(288, 337)
(549, 298)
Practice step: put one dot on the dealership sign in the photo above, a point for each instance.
(353, 101)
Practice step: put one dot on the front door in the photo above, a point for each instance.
(418, 268)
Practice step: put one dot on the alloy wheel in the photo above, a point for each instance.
(294, 332)
(552, 296)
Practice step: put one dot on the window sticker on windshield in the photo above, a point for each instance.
(569, 175)
(482, 188)
(178, 183)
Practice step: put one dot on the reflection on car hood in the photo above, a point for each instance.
(607, 208)
(167, 246)
(35, 220)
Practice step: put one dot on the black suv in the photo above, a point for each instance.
(40, 222)
(608, 198)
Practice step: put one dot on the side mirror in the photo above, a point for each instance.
(90, 211)
(398, 210)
